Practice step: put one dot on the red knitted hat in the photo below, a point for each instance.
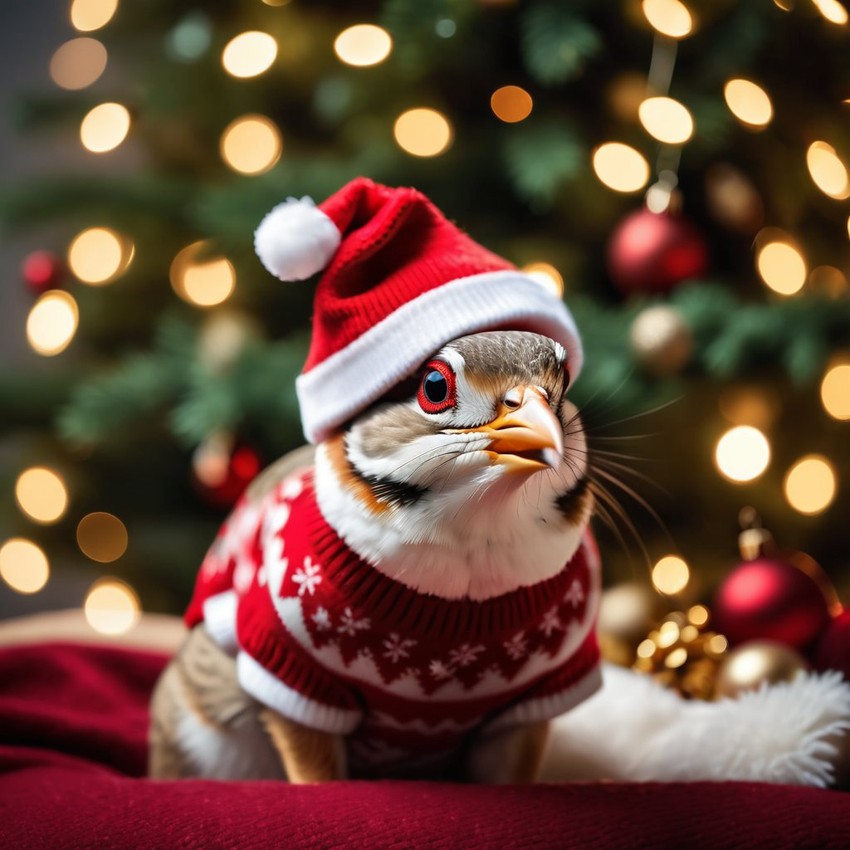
(400, 281)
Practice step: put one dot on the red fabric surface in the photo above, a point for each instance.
(73, 721)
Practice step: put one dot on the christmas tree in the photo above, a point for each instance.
(678, 170)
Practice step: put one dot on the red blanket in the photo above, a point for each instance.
(73, 722)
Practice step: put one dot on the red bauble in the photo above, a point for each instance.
(653, 252)
(769, 598)
(41, 271)
(833, 649)
(220, 475)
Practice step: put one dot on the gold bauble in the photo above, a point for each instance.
(626, 613)
(661, 341)
(756, 662)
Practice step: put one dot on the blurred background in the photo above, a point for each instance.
(677, 170)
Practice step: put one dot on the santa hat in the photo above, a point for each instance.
(400, 281)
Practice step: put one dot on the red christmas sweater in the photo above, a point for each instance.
(328, 641)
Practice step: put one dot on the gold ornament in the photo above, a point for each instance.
(661, 341)
(626, 613)
(756, 662)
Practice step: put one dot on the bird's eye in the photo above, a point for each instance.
(437, 390)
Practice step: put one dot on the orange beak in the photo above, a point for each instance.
(525, 436)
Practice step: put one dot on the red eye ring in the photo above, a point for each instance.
(438, 389)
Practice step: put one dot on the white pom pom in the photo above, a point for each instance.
(296, 239)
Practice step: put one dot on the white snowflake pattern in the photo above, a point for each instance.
(292, 487)
(397, 647)
(517, 646)
(349, 625)
(465, 655)
(575, 595)
(307, 578)
(440, 670)
(551, 622)
(322, 619)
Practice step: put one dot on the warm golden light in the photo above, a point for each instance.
(52, 322)
(102, 537)
(249, 54)
(251, 144)
(666, 120)
(511, 104)
(98, 255)
(828, 281)
(742, 454)
(78, 63)
(547, 275)
(620, 167)
(832, 10)
(828, 171)
(200, 279)
(423, 132)
(671, 575)
(41, 494)
(111, 607)
(810, 485)
(748, 102)
(23, 565)
(782, 267)
(105, 127)
(669, 17)
(363, 45)
(88, 15)
(835, 391)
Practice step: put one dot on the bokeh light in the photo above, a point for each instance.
(89, 15)
(251, 144)
(832, 10)
(362, 45)
(23, 565)
(671, 575)
(782, 267)
(810, 485)
(511, 104)
(620, 167)
(52, 322)
(249, 54)
(102, 537)
(748, 102)
(669, 17)
(41, 494)
(98, 255)
(423, 132)
(105, 127)
(111, 607)
(742, 454)
(666, 120)
(828, 281)
(828, 171)
(78, 63)
(835, 391)
(548, 275)
(201, 279)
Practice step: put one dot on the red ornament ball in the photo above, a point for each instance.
(220, 475)
(653, 252)
(769, 598)
(833, 649)
(42, 270)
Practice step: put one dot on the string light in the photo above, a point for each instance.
(547, 275)
(782, 267)
(105, 127)
(41, 494)
(620, 167)
(666, 120)
(102, 537)
(363, 45)
(832, 10)
(423, 132)
(200, 280)
(89, 15)
(669, 17)
(251, 144)
(810, 485)
(249, 54)
(671, 575)
(748, 102)
(835, 391)
(828, 171)
(23, 565)
(78, 63)
(52, 322)
(511, 104)
(111, 607)
(742, 454)
(98, 255)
